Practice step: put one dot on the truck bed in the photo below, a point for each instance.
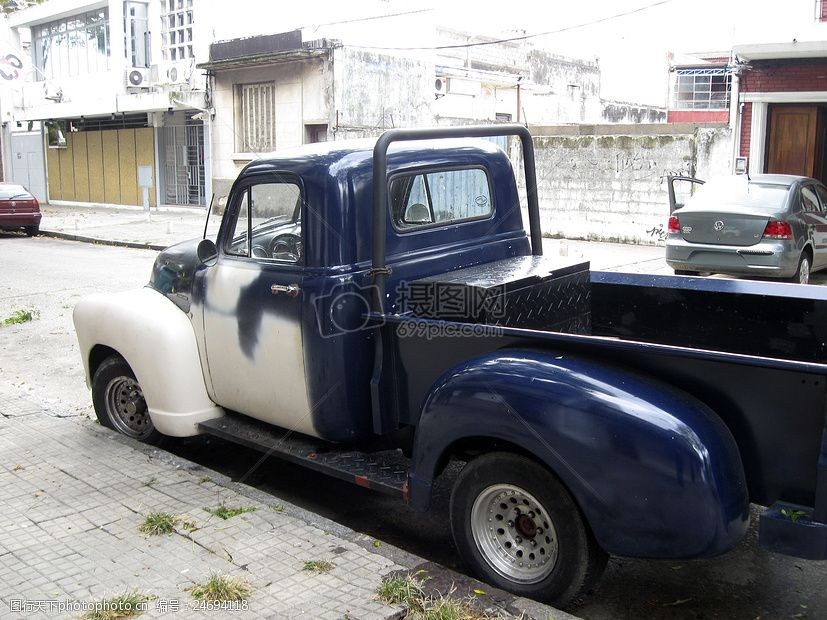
(752, 351)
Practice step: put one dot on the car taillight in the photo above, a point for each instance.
(674, 227)
(778, 230)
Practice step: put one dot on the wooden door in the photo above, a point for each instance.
(792, 142)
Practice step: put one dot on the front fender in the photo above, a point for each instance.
(157, 341)
(655, 471)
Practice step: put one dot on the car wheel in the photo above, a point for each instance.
(686, 272)
(31, 231)
(517, 527)
(802, 274)
(119, 401)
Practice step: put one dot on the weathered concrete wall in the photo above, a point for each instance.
(374, 92)
(611, 186)
(620, 112)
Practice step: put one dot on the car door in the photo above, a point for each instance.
(820, 231)
(680, 189)
(253, 305)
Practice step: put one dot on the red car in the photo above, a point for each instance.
(18, 209)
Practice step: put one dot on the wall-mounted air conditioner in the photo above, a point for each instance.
(440, 86)
(137, 77)
(171, 72)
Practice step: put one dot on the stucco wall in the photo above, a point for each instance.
(612, 187)
(374, 91)
(303, 96)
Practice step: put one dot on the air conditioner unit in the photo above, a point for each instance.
(171, 73)
(137, 77)
(440, 86)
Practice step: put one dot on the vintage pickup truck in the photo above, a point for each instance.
(374, 311)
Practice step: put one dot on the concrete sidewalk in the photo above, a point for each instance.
(75, 495)
(131, 227)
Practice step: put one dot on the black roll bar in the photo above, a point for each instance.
(384, 419)
(379, 270)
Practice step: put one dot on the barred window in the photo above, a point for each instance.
(177, 20)
(258, 117)
(702, 89)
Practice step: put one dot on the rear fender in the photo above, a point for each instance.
(157, 341)
(655, 472)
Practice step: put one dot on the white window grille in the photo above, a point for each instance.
(177, 23)
(702, 88)
(258, 117)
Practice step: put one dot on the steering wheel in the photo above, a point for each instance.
(286, 247)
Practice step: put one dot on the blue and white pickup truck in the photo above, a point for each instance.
(375, 311)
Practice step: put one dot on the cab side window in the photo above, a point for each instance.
(268, 223)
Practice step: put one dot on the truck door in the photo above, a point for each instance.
(253, 305)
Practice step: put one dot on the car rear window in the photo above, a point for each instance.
(10, 191)
(738, 191)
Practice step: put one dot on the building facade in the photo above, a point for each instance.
(114, 102)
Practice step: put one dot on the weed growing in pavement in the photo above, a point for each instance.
(20, 316)
(318, 566)
(158, 524)
(225, 512)
(406, 590)
(222, 588)
(127, 605)
(204, 480)
(401, 590)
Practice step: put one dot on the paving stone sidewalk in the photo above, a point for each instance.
(75, 493)
(74, 497)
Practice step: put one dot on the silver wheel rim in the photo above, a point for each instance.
(804, 272)
(126, 407)
(514, 533)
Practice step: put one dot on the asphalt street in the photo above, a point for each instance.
(40, 358)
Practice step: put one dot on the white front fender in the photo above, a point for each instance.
(158, 342)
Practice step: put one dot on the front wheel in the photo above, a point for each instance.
(119, 401)
(518, 528)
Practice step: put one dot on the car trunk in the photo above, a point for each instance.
(722, 227)
(23, 204)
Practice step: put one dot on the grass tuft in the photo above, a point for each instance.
(401, 590)
(318, 566)
(127, 605)
(20, 316)
(158, 524)
(222, 588)
(225, 512)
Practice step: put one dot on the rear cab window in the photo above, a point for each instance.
(437, 198)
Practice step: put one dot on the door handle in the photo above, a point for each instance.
(291, 290)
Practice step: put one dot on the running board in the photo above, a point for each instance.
(385, 471)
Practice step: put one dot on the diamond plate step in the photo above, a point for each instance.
(385, 471)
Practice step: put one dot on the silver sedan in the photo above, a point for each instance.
(769, 225)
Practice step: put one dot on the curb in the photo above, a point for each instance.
(123, 244)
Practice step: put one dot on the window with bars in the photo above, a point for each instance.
(177, 29)
(702, 89)
(257, 115)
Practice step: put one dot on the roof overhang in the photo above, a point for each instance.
(777, 51)
(265, 59)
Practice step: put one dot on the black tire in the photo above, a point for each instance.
(482, 489)
(802, 274)
(686, 272)
(119, 402)
(32, 231)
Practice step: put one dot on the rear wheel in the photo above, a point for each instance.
(802, 274)
(686, 272)
(119, 401)
(518, 528)
(31, 231)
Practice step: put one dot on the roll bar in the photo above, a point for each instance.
(379, 270)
